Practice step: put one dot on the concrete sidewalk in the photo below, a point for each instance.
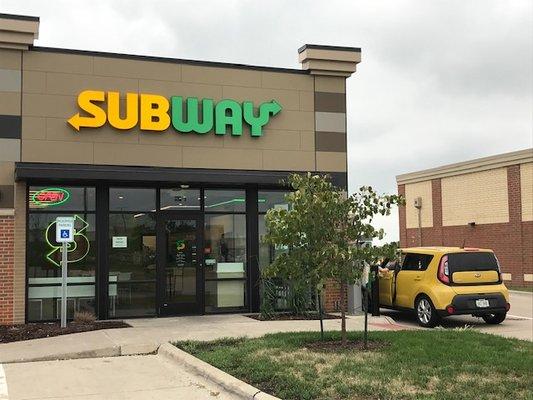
(146, 335)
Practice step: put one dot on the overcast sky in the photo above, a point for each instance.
(439, 82)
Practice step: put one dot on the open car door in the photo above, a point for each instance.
(387, 277)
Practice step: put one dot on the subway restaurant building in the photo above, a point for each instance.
(167, 165)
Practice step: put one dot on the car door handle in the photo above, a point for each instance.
(418, 278)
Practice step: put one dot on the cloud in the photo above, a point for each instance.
(440, 81)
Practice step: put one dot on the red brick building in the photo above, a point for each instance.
(487, 202)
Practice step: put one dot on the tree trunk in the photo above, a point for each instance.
(320, 315)
(344, 337)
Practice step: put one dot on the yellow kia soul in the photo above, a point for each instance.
(436, 282)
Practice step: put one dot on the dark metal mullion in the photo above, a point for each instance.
(252, 248)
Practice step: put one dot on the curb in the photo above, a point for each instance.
(115, 351)
(221, 378)
(520, 292)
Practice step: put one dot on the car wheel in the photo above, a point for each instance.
(426, 315)
(494, 319)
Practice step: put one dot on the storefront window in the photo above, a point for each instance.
(225, 261)
(180, 199)
(271, 199)
(225, 200)
(132, 264)
(267, 252)
(131, 199)
(44, 255)
(61, 198)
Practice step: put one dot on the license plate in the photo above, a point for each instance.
(482, 303)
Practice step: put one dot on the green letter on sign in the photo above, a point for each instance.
(193, 124)
(223, 119)
(265, 110)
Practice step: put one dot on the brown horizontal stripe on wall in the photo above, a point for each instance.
(6, 196)
(330, 141)
(10, 126)
(330, 102)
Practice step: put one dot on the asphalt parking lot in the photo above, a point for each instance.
(518, 324)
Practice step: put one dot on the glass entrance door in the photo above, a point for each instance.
(180, 261)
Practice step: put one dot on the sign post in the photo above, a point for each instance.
(64, 235)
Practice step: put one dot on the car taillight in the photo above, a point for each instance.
(444, 272)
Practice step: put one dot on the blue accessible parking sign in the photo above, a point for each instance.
(64, 233)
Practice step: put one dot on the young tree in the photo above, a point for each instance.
(324, 231)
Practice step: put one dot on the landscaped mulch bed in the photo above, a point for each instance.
(295, 317)
(15, 333)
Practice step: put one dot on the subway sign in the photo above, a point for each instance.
(152, 112)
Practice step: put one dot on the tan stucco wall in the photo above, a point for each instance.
(412, 191)
(479, 197)
(526, 189)
(52, 81)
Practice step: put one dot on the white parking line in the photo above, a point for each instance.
(519, 316)
(3, 384)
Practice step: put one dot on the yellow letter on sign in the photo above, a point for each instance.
(97, 115)
(113, 110)
(154, 113)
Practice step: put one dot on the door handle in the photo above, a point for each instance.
(418, 278)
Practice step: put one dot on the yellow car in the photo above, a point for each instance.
(436, 282)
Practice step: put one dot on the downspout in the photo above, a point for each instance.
(418, 206)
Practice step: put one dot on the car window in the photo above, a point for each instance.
(475, 261)
(416, 262)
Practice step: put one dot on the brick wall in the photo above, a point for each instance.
(7, 251)
(332, 296)
(511, 241)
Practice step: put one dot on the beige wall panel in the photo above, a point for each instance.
(293, 121)
(328, 161)
(220, 76)
(330, 84)
(73, 84)
(34, 128)
(10, 59)
(9, 103)
(56, 62)
(289, 99)
(307, 101)
(277, 160)
(34, 82)
(271, 140)
(330, 122)
(134, 154)
(7, 172)
(307, 140)
(9, 149)
(412, 191)
(129, 68)
(168, 89)
(57, 151)
(173, 138)
(45, 105)
(59, 129)
(526, 189)
(283, 80)
(213, 157)
(19, 276)
(9, 80)
(480, 197)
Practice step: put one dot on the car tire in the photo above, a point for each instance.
(425, 313)
(494, 319)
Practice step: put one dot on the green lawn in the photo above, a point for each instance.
(430, 364)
